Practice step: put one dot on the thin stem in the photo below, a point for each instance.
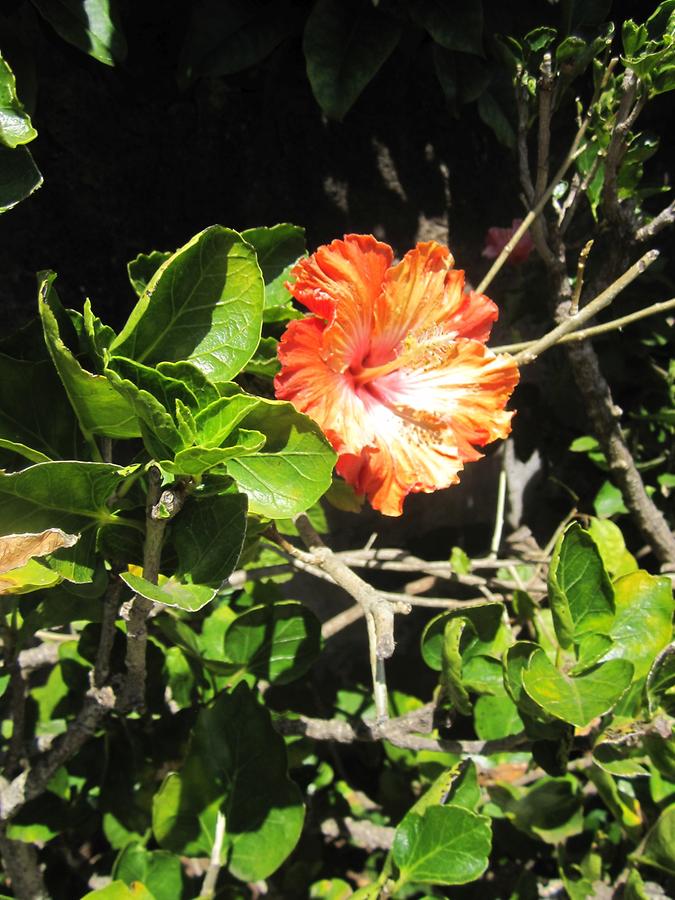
(161, 506)
(579, 281)
(215, 864)
(595, 330)
(499, 510)
(591, 309)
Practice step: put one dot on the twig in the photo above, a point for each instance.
(33, 781)
(38, 657)
(401, 732)
(21, 865)
(215, 864)
(161, 506)
(589, 310)
(379, 611)
(361, 833)
(626, 115)
(579, 281)
(499, 510)
(665, 218)
(111, 605)
(606, 327)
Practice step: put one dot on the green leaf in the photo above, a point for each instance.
(576, 700)
(550, 810)
(188, 597)
(15, 124)
(45, 428)
(203, 305)
(160, 871)
(644, 616)
(345, 43)
(19, 176)
(540, 38)
(494, 117)
(612, 547)
(89, 25)
(98, 406)
(277, 642)
(451, 664)
(496, 717)
(118, 890)
(236, 763)
(208, 535)
(145, 265)
(609, 501)
(455, 27)
(661, 682)
(658, 847)
(579, 588)
(446, 845)
(216, 421)
(294, 468)
(68, 495)
(278, 248)
(196, 461)
(226, 37)
(491, 638)
(32, 576)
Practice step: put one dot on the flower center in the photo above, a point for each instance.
(425, 349)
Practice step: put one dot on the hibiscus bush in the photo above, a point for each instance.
(215, 683)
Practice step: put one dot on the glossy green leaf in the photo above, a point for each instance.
(550, 810)
(451, 664)
(495, 717)
(32, 576)
(188, 597)
(66, 495)
(208, 535)
(490, 637)
(576, 700)
(456, 27)
(264, 361)
(293, 469)
(609, 499)
(100, 409)
(612, 547)
(237, 763)
(540, 38)
(658, 846)
(581, 593)
(446, 845)
(143, 267)
(661, 682)
(196, 461)
(215, 422)
(226, 37)
(493, 115)
(278, 248)
(203, 305)
(90, 25)
(45, 428)
(19, 176)
(118, 890)
(345, 43)
(277, 642)
(15, 124)
(160, 871)
(644, 619)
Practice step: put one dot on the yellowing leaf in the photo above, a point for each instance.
(17, 549)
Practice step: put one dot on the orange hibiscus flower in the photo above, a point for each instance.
(393, 366)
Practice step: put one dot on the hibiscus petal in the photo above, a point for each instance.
(418, 293)
(340, 283)
(314, 388)
(465, 388)
(405, 458)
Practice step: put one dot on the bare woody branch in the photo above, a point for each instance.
(665, 218)
(161, 507)
(572, 323)
(596, 330)
(403, 732)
